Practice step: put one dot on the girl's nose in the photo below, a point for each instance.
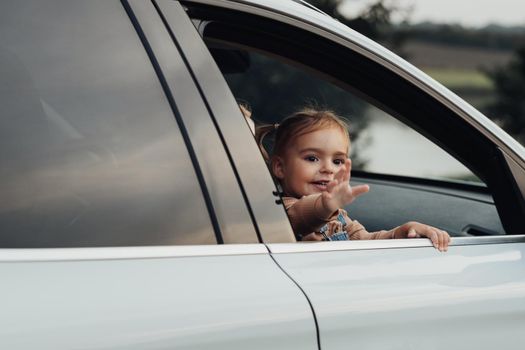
(327, 168)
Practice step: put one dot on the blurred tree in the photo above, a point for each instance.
(330, 7)
(491, 36)
(374, 22)
(509, 107)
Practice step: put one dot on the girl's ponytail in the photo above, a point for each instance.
(260, 133)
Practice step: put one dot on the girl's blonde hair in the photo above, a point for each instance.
(302, 122)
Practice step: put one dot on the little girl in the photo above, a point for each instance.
(310, 161)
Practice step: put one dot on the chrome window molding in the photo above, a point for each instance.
(303, 247)
(123, 253)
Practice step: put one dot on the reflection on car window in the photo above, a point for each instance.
(91, 154)
(381, 144)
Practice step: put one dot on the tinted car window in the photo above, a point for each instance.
(91, 154)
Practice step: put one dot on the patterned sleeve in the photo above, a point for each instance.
(306, 215)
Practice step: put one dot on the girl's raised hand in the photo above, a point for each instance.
(339, 192)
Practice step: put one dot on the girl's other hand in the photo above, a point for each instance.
(440, 239)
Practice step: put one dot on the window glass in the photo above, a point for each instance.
(380, 143)
(91, 153)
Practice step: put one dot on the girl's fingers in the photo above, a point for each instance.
(440, 239)
(434, 238)
(442, 243)
(334, 227)
(343, 175)
(446, 239)
(340, 175)
(330, 186)
(359, 190)
(356, 190)
(348, 169)
(412, 233)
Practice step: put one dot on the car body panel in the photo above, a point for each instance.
(151, 298)
(374, 297)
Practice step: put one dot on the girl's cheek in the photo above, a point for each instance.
(311, 167)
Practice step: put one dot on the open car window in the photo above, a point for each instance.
(470, 199)
(382, 147)
(381, 144)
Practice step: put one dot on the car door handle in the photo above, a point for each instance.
(474, 230)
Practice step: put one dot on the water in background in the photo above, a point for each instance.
(388, 146)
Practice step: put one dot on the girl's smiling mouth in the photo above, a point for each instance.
(321, 185)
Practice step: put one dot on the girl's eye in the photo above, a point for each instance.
(311, 158)
(339, 161)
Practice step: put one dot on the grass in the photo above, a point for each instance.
(454, 78)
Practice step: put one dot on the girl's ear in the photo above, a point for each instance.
(278, 167)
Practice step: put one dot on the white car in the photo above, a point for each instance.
(138, 213)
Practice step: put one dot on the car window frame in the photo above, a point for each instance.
(263, 199)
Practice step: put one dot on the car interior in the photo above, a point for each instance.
(487, 206)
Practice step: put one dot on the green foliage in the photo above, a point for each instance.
(492, 37)
(455, 78)
(509, 108)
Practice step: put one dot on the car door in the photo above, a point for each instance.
(118, 197)
(394, 293)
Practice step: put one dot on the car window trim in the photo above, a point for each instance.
(308, 247)
(124, 253)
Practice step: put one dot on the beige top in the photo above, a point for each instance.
(306, 216)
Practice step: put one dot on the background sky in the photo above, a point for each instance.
(472, 13)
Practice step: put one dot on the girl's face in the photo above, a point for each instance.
(311, 161)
